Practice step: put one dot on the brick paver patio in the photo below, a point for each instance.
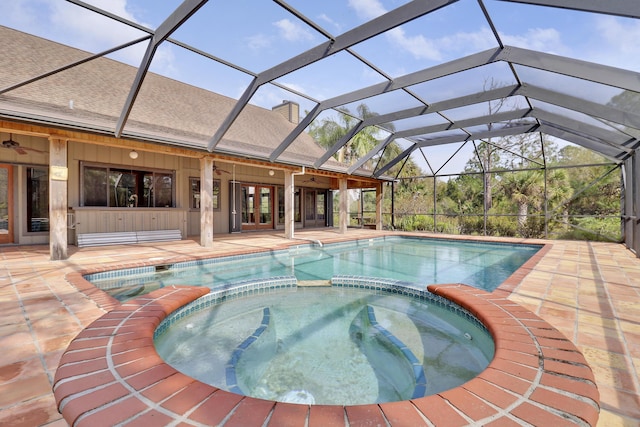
(588, 291)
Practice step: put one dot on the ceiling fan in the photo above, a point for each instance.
(15, 145)
(219, 171)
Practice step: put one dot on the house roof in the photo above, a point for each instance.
(89, 96)
(442, 102)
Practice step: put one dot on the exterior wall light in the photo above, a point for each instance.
(133, 154)
(271, 172)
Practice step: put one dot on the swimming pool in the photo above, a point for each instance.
(330, 346)
(422, 261)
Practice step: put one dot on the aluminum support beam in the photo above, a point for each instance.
(591, 71)
(361, 161)
(597, 134)
(338, 145)
(608, 152)
(172, 23)
(418, 111)
(442, 70)
(476, 121)
(372, 28)
(581, 105)
(516, 130)
(493, 118)
(448, 104)
(73, 64)
(628, 8)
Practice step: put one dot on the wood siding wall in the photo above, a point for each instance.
(89, 220)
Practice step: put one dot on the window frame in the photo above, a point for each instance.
(109, 167)
(217, 187)
(42, 226)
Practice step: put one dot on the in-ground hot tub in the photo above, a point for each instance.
(361, 341)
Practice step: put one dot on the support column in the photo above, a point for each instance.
(379, 199)
(289, 203)
(206, 202)
(58, 178)
(344, 205)
(634, 176)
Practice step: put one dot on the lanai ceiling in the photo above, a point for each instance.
(435, 73)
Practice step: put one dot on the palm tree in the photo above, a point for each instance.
(526, 189)
(559, 193)
(330, 131)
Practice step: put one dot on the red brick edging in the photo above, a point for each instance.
(111, 374)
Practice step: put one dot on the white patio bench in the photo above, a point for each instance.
(127, 237)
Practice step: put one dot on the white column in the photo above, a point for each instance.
(289, 204)
(344, 205)
(58, 178)
(206, 202)
(379, 198)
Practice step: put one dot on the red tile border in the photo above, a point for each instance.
(537, 376)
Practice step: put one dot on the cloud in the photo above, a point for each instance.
(93, 31)
(20, 13)
(418, 46)
(288, 30)
(258, 41)
(618, 43)
(294, 86)
(622, 35)
(292, 31)
(438, 49)
(367, 9)
(547, 40)
(467, 42)
(336, 25)
(76, 26)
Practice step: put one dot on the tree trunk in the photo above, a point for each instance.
(487, 192)
(523, 210)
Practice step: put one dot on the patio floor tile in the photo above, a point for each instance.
(590, 291)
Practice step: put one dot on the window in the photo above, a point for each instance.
(37, 199)
(296, 205)
(194, 194)
(115, 187)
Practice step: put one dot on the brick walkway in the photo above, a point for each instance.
(112, 372)
(589, 291)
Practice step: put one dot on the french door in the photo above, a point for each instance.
(315, 208)
(6, 204)
(257, 207)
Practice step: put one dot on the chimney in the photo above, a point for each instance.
(290, 110)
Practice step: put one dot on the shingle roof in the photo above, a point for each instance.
(91, 96)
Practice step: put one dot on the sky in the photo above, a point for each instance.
(258, 34)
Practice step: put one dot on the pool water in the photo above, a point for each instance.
(417, 260)
(317, 350)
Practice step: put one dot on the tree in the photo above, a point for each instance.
(329, 131)
(627, 101)
(597, 190)
(526, 189)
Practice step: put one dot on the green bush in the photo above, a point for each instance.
(594, 229)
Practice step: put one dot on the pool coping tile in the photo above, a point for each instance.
(536, 372)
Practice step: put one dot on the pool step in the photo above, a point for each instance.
(314, 283)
